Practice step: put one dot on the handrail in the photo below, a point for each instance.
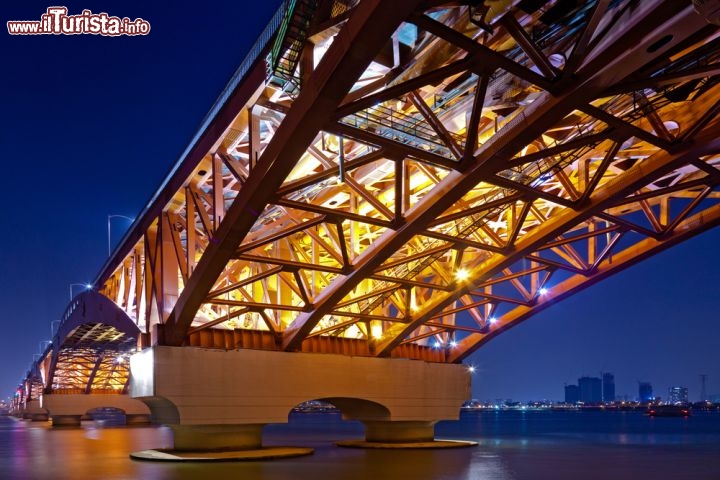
(280, 37)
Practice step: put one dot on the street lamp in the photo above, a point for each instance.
(43, 345)
(108, 228)
(86, 286)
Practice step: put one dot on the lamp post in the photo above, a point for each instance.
(110, 217)
(43, 346)
(87, 286)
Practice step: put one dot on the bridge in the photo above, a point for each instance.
(84, 368)
(380, 190)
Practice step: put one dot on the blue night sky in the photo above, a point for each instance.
(91, 125)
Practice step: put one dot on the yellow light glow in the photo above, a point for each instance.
(462, 275)
(376, 331)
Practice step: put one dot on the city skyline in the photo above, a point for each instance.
(84, 114)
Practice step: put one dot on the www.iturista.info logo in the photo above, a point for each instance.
(56, 21)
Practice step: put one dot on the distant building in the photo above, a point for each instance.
(608, 387)
(645, 392)
(678, 395)
(590, 389)
(572, 394)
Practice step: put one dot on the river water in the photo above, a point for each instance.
(513, 445)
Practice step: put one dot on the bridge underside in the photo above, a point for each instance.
(411, 180)
(86, 365)
(91, 349)
(92, 359)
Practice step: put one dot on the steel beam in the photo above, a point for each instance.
(620, 261)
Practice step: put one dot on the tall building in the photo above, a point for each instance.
(645, 392)
(678, 395)
(590, 389)
(703, 387)
(572, 394)
(608, 387)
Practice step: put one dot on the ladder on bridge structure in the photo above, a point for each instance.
(285, 55)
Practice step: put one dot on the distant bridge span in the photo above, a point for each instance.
(85, 366)
(407, 181)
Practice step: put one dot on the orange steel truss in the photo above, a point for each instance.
(92, 358)
(411, 178)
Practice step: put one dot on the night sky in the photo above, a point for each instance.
(91, 125)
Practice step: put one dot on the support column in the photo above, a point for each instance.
(399, 432)
(66, 420)
(34, 412)
(217, 437)
(137, 419)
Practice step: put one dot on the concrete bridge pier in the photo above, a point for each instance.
(217, 437)
(399, 432)
(220, 400)
(34, 412)
(68, 410)
(138, 419)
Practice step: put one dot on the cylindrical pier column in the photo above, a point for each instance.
(399, 432)
(137, 419)
(66, 420)
(217, 437)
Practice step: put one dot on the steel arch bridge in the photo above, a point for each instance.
(410, 179)
(89, 354)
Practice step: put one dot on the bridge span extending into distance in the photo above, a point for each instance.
(382, 188)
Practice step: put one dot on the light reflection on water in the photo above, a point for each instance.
(512, 446)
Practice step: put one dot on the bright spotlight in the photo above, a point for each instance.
(543, 291)
(471, 368)
(462, 275)
(492, 320)
(437, 344)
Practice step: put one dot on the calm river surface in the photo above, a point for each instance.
(513, 446)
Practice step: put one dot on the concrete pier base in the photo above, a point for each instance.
(217, 437)
(402, 435)
(219, 443)
(219, 400)
(269, 453)
(137, 419)
(66, 420)
(399, 432)
(36, 417)
(431, 445)
(35, 412)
